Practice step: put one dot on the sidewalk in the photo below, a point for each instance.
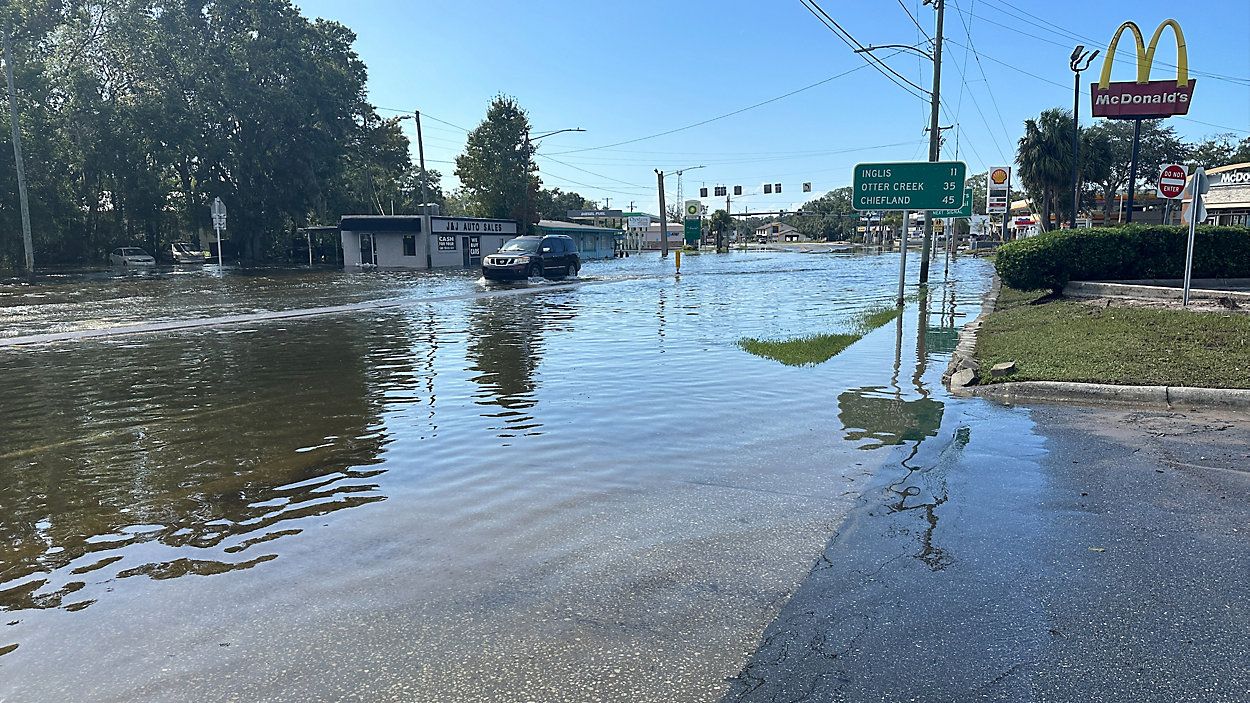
(1095, 555)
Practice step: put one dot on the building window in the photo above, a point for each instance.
(410, 245)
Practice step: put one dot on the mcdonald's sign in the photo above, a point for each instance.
(1144, 98)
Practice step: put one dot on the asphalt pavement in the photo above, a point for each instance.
(1049, 554)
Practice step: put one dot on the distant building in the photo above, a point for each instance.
(592, 242)
(676, 236)
(397, 242)
(778, 232)
(1228, 199)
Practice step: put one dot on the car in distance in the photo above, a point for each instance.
(533, 257)
(131, 256)
(183, 253)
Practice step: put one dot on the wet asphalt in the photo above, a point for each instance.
(1056, 554)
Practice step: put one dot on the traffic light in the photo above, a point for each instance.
(737, 190)
(720, 190)
(703, 192)
(777, 188)
(768, 188)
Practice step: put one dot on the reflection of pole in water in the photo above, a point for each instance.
(898, 353)
(922, 325)
(660, 314)
(430, 357)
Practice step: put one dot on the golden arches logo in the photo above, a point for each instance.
(1146, 53)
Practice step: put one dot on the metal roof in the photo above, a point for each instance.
(380, 223)
(558, 226)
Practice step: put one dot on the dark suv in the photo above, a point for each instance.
(527, 257)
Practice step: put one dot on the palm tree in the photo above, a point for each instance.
(1045, 157)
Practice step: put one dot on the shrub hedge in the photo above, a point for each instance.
(1052, 259)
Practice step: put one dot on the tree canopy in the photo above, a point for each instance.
(497, 172)
(135, 114)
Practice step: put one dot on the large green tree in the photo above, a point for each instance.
(497, 171)
(135, 114)
(554, 204)
(1159, 145)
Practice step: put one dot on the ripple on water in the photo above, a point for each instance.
(209, 453)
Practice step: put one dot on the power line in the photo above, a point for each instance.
(1070, 35)
(877, 63)
(714, 119)
(1241, 130)
(592, 173)
(988, 89)
(913, 21)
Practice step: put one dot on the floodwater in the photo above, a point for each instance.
(561, 492)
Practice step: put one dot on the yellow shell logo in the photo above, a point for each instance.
(999, 176)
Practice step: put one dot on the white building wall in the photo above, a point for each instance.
(351, 249)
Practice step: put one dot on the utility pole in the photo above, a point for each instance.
(27, 242)
(663, 215)
(935, 134)
(425, 210)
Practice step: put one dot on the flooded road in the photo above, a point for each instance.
(576, 492)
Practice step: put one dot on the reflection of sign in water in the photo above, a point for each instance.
(878, 415)
(475, 246)
(940, 340)
(446, 242)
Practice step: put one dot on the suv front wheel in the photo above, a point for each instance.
(536, 269)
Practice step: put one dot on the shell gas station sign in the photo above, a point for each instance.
(1144, 98)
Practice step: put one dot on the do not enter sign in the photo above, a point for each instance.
(1172, 181)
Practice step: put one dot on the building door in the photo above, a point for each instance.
(472, 247)
(367, 254)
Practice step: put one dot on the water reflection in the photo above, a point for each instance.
(879, 417)
(505, 347)
(165, 457)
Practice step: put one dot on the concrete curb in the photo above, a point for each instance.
(1147, 291)
(964, 356)
(1168, 397)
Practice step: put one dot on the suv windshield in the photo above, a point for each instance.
(526, 245)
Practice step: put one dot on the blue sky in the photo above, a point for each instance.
(625, 71)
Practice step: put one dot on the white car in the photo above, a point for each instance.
(131, 256)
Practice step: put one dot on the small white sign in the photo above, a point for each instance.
(642, 222)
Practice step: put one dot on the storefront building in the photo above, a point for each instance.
(397, 242)
(1228, 199)
(592, 242)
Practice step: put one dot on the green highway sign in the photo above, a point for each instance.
(965, 211)
(909, 185)
(693, 229)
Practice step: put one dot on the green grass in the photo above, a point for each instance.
(1060, 340)
(1009, 298)
(876, 317)
(819, 348)
(800, 351)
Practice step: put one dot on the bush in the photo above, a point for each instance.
(1122, 253)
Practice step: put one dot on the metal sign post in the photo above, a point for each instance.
(219, 223)
(909, 186)
(1198, 186)
(902, 258)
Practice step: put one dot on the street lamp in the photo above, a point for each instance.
(1081, 59)
(529, 141)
